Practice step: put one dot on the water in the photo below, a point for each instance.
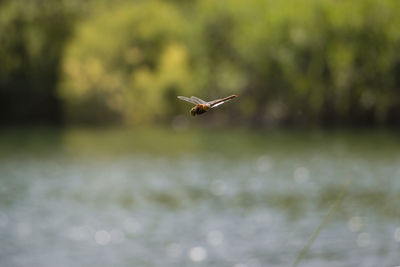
(162, 198)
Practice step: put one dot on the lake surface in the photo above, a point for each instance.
(234, 198)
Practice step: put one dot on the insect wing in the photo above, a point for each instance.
(199, 101)
(218, 104)
(184, 98)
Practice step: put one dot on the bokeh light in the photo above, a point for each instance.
(102, 237)
(197, 254)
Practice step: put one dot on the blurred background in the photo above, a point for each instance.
(124, 62)
(101, 164)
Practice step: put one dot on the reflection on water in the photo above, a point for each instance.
(85, 198)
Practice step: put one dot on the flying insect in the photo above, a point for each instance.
(202, 106)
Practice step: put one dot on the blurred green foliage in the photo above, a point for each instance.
(303, 62)
(32, 39)
(126, 63)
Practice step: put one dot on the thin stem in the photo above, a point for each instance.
(334, 207)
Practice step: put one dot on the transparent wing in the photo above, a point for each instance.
(218, 102)
(184, 98)
(199, 101)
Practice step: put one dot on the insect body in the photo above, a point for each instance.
(204, 106)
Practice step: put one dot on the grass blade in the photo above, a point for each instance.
(332, 210)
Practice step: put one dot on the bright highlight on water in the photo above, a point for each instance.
(253, 201)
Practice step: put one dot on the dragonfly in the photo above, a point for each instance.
(202, 106)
